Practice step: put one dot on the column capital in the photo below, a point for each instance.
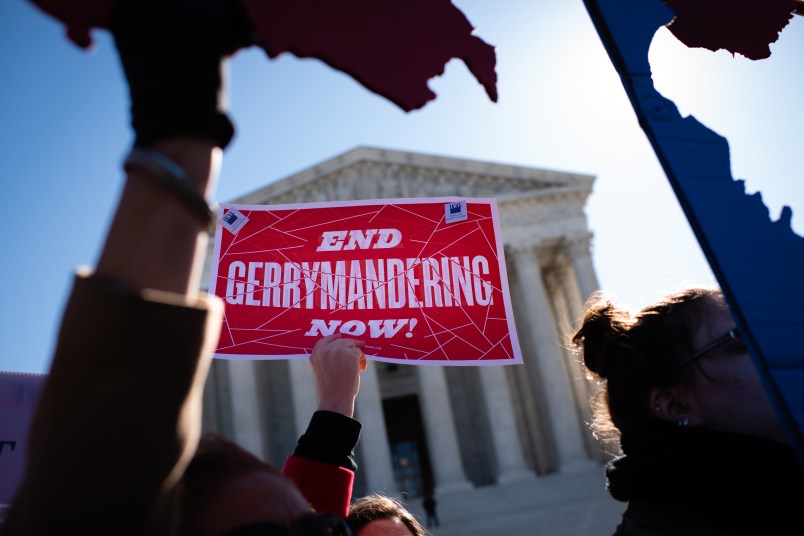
(522, 249)
(578, 246)
(579, 250)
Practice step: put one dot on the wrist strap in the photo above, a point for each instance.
(174, 178)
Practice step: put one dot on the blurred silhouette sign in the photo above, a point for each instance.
(758, 262)
(422, 281)
(392, 48)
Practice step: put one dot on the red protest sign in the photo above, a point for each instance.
(422, 281)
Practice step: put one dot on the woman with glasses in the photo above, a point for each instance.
(699, 447)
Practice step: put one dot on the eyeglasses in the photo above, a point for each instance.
(308, 525)
(717, 343)
(724, 339)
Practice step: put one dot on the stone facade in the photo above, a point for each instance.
(444, 428)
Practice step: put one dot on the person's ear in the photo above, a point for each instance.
(670, 405)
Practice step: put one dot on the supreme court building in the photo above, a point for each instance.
(433, 427)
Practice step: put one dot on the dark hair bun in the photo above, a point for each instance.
(599, 336)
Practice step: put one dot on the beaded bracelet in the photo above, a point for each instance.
(174, 178)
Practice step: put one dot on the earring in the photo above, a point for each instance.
(683, 422)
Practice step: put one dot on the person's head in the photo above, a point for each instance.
(679, 360)
(376, 515)
(227, 490)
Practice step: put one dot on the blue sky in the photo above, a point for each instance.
(64, 133)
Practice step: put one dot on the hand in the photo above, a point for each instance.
(337, 363)
(173, 54)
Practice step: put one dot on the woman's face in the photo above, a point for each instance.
(727, 393)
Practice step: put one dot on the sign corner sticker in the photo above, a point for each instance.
(233, 220)
(456, 211)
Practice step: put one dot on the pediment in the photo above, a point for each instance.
(372, 173)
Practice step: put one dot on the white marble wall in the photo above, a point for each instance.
(542, 214)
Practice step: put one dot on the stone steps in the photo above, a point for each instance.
(573, 503)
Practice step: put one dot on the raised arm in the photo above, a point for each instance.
(323, 464)
(119, 417)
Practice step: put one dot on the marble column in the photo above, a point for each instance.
(508, 454)
(575, 297)
(211, 415)
(569, 292)
(566, 425)
(305, 400)
(580, 255)
(442, 437)
(564, 293)
(246, 411)
(376, 463)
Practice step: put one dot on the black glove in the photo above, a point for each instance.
(173, 53)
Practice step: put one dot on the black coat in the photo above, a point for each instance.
(694, 482)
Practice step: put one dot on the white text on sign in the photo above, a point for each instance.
(377, 328)
(357, 239)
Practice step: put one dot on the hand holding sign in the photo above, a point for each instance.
(337, 363)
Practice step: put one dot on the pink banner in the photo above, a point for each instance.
(422, 281)
(19, 393)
